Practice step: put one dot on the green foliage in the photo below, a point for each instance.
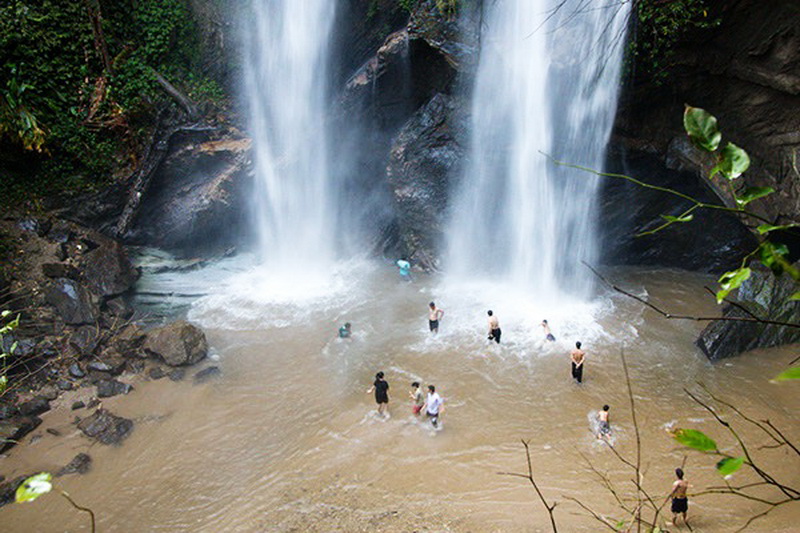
(445, 7)
(791, 374)
(733, 161)
(33, 487)
(728, 465)
(6, 328)
(702, 128)
(660, 28)
(730, 281)
(61, 98)
(695, 439)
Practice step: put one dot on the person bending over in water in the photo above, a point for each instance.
(381, 388)
(494, 328)
(405, 269)
(680, 503)
(345, 331)
(416, 395)
(434, 315)
(577, 355)
(604, 428)
(434, 406)
(547, 334)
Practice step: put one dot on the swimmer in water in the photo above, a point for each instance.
(604, 428)
(381, 388)
(547, 334)
(345, 331)
(578, 356)
(494, 327)
(416, 395)
(434, 315)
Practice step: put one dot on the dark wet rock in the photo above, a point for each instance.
(85, 340)
(106, 269)
(60, 270)
(24, 347)
(49, 392)
(80, 464)
(129, 340)
(194, 200)
(78, 405)
(46, 349)
(54, 432)
(61, 234)
(156, 373)
(8, 411)
(13, 429)
(426, 155)
(454, 38)
(179, 343)
(106, 427)
(177, 374)
(763, 296)
(64, 385)
(695, 245)
(94, 402)
(207, 374)
(72, 302)
(36, 406)
(119, 307)
(29, 224)
(76, 371)
(8, 490)
(109, 362)
(135, 366)
(61, 252)
(112, 387)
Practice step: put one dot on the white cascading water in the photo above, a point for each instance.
(547, 83)
(286, 65)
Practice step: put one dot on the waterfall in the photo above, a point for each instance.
(285, 73)
(547, 83)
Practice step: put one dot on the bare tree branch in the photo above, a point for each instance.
(529, 476)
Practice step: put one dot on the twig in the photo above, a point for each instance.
(529, 477)
(79, 507)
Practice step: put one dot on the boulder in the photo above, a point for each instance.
(112, 387)
(156, 373)
(129, 340)
(64, 385)
(179, 343)
(80, 464)
(72, 301)
(106, 269)
(105, 427)
(60, 270)
(8, 410)
(765, 296)
(85, 340)
(78, 405)
(8, 490)
(13, 429)
(426, 154)
(177, 374)
(109, 362)
(76, 371)
(34, 407)
(49, 392)
(119, 307)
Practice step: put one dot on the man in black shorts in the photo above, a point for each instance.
(680, 503)
(494, 327)
(434, 315)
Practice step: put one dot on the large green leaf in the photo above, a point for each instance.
(684, 218)
(695, 439)
(702, 128)
(729, 465)
(753, 193)
(33, 487)
(773, 256)
(731, 281)
(794, 297)
(792, 373)
(733, 161)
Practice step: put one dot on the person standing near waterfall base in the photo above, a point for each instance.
(434, 315)
(680, 502)
(494, 327)
(578, 357)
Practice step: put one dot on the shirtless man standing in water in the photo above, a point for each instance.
(434, 315)
(577, 355)
(494, 328)
(680, 503)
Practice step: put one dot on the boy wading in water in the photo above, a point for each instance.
(434, 406)
(434, 315)
(577, 355)
(381, 388)
(494, 327)
(416, 395)
(345, 331)
(548, 335)
(680, 503)
(604, 428)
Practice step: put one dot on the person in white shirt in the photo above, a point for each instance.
(434, 406)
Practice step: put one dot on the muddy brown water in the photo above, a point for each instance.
(287, 438)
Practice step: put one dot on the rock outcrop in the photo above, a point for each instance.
(763, 296)
(106, 428)
(426, 154)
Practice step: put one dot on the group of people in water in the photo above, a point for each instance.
(431, 405)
